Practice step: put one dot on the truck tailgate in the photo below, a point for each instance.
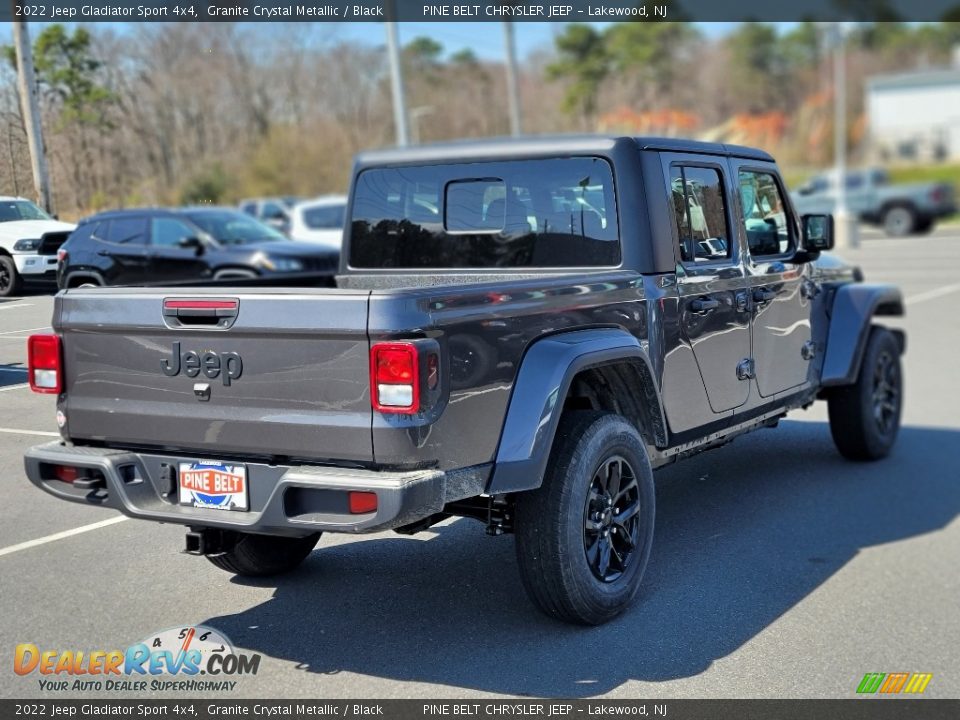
(282, 374)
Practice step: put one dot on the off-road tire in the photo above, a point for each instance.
(865, 416)
(11, 282)
(551, 521)
(264, 555)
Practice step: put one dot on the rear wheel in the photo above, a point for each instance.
(583, 538)
(264, 555)
(865, 416)
(10, 280)
(899, 220)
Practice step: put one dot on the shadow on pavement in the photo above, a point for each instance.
(743, 534)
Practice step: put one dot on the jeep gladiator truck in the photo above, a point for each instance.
(520, 333)
(899, 209)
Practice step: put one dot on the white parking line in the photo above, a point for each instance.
(14, 387)
(932, 294)
(16, 431)
(14, 307)
(24, 330)
(61, 535)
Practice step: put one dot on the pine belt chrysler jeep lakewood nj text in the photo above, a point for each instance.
(520, 333)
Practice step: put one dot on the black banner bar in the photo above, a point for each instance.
(873, 708)
(467, 11)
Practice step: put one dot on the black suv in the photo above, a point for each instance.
(162, 246)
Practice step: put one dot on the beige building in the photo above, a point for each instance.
(915, 116)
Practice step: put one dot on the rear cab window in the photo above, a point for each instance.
(545, 213)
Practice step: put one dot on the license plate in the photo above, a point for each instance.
(213, 484)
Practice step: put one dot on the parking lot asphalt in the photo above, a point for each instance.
(779, 569)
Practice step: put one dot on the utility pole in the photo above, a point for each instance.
(396, 83)
(846, 223)
(513, 89)
(27, 85)
(13, 165)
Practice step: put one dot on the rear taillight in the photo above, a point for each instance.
(394, 377)
(44, 363)
(61, 255)
(938, 194)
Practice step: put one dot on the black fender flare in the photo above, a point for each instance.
(854, 307)
(83, 274)
(536, 403)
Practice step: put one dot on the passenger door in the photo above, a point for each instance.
(170, 261)
(713, 302)
(779, 288)
(122, 250)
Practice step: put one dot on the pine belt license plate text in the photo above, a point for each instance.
(212, 484)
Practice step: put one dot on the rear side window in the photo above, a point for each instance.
(132, 231)
(557, 212)
(700, 211)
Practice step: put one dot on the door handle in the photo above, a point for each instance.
(763, 295)
(704, 305)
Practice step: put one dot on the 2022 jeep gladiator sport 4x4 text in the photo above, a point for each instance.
(520, 332)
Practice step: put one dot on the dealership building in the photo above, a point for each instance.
(915, 116)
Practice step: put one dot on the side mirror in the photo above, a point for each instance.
(817, 236)
(817, 232)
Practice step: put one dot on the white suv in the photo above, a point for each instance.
(29, 240)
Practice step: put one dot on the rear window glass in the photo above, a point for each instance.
(557, 212)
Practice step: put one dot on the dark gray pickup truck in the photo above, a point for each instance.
(519, 333)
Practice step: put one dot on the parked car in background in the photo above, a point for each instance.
(899, 209)
(157, 246)
(29, 240)
(319, 220)
(274, 211)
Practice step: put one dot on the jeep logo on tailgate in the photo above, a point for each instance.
(210, 363)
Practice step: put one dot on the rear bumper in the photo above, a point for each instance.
(295, 500)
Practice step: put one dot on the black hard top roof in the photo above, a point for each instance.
(504, 148)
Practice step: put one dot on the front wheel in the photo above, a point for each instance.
(264, 555)
(865, 416)
(10, 279)
(583, 538)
